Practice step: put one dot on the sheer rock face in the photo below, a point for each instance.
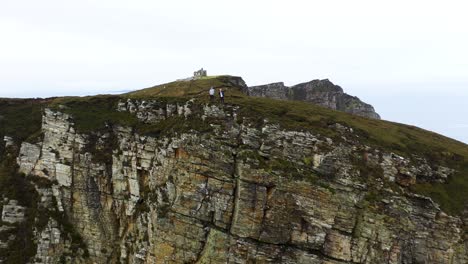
(240, 193)
(320, 92)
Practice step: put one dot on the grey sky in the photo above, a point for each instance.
(407, 58)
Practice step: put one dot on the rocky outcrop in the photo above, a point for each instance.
(320, 92)
(231, 191)
(12, 213)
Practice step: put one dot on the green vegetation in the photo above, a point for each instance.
(14, 186)
(366, 171)
(289, 115)
(21, 118)
(290, 169)
(453, 196)
(99, 114)
(94, 113)
(391, 136)
(189, 88)
(174, 125)
(283, 168)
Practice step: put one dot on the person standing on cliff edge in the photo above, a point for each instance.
(212, 92)
(221, 95)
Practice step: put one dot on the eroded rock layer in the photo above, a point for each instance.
(225, 190)
(320, 92)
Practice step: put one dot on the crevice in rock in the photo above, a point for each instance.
(235, 176)
(205, 245)
(265, 208)
(258, 242)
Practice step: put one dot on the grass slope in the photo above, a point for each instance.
(21, 118)
(186, 88)
(93, 113)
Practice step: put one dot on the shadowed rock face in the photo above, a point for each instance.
(320, 92)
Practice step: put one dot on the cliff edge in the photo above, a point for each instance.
(163, 175)
(320, 92)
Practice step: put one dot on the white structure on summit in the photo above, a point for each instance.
(200, 73)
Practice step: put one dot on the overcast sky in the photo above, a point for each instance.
(407, 58)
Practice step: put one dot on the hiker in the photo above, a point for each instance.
(212, 92)
(221, 95)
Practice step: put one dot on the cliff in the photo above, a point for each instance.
(320, 92)
(162, 175)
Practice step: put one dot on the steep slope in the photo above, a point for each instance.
(320, 92)
(163, 176)
(193, 87)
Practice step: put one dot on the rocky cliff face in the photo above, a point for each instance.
(320, 92)
(225, 189)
